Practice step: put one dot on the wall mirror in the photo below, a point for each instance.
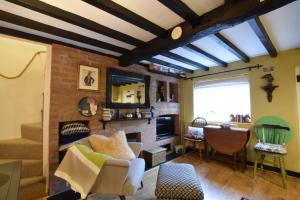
(127, 89)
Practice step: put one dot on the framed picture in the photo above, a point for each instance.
(88, 78)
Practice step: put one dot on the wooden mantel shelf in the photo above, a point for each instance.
(123, 119)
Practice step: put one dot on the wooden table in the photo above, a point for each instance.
(229, 141)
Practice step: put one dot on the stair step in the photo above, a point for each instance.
(29, 167)
(33, 131)
(32, 188)
(21, 149)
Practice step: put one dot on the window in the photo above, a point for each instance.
(217, 100)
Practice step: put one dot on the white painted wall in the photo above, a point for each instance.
(20, 99)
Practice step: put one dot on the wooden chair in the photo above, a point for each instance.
(271, 141)
(198, 122)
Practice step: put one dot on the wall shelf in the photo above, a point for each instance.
(123, 119)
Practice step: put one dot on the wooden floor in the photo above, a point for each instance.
(220, 182)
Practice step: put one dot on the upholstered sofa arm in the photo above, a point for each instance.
(112, 176)
(136, 147)
(117, 163)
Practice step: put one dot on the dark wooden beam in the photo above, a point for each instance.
(167, 64)
(210, 23)
(196, 50)
(181, 9)
(185, 60)
(263, 36)
(77, 20)
(37, 38)
(159, 72)
(127, 15)
(22, 21)
(220, 39)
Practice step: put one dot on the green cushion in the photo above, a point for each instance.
(97, 158)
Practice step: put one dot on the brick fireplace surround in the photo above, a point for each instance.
(65, 97)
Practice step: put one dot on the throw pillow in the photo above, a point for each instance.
(115, 146)
(195, 133)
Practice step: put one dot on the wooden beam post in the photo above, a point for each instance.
(22, 21)
(77, 20)
(220, 39)
(167, 64)
(263, 36)
(181, 9)
(127, 15)
(210, 23)
(196, 50)
(185, 60)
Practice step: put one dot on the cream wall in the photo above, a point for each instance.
(21, 99)
(284, 102)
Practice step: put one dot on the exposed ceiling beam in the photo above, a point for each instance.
(263, 36)
(212, 22)
(196, 50)
(220, 39)
(181, 9)
(37, 38)
(127, 15)
(167, 64)
(179, 58)
(22, 21)
(77, 20)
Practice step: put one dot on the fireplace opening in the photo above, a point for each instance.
(134, 137)
(165, 126)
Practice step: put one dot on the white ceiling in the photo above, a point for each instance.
(244, 38)
(282, 25)
(203, 6)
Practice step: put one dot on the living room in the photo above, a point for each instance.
(149, 99)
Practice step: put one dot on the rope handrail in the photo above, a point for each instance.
(26, 67)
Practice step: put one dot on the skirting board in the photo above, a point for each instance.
(276, 169)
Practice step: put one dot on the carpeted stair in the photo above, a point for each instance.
(28, 149)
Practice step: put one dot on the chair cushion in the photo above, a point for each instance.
(115, 146)
(268, 147)
(178, 181)
(194, 133)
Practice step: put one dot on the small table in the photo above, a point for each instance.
(155, 156)
(230, 141)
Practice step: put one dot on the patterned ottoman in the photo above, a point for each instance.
(178, 182)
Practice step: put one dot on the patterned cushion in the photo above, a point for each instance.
(178, 181)
(74, 128)
(274, 148)
(194, 133)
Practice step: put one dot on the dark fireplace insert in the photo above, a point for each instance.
(165, 126)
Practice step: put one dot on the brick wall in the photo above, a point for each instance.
(65, 97)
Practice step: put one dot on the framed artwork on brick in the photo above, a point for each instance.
(88, 78)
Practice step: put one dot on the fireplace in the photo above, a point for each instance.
(165, 126)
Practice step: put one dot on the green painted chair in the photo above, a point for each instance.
(272, 133)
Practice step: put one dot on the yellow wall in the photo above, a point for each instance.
(284, 102)
(21, 99)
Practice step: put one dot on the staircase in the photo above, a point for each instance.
(28, 149)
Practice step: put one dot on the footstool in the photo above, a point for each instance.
(178, 182)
